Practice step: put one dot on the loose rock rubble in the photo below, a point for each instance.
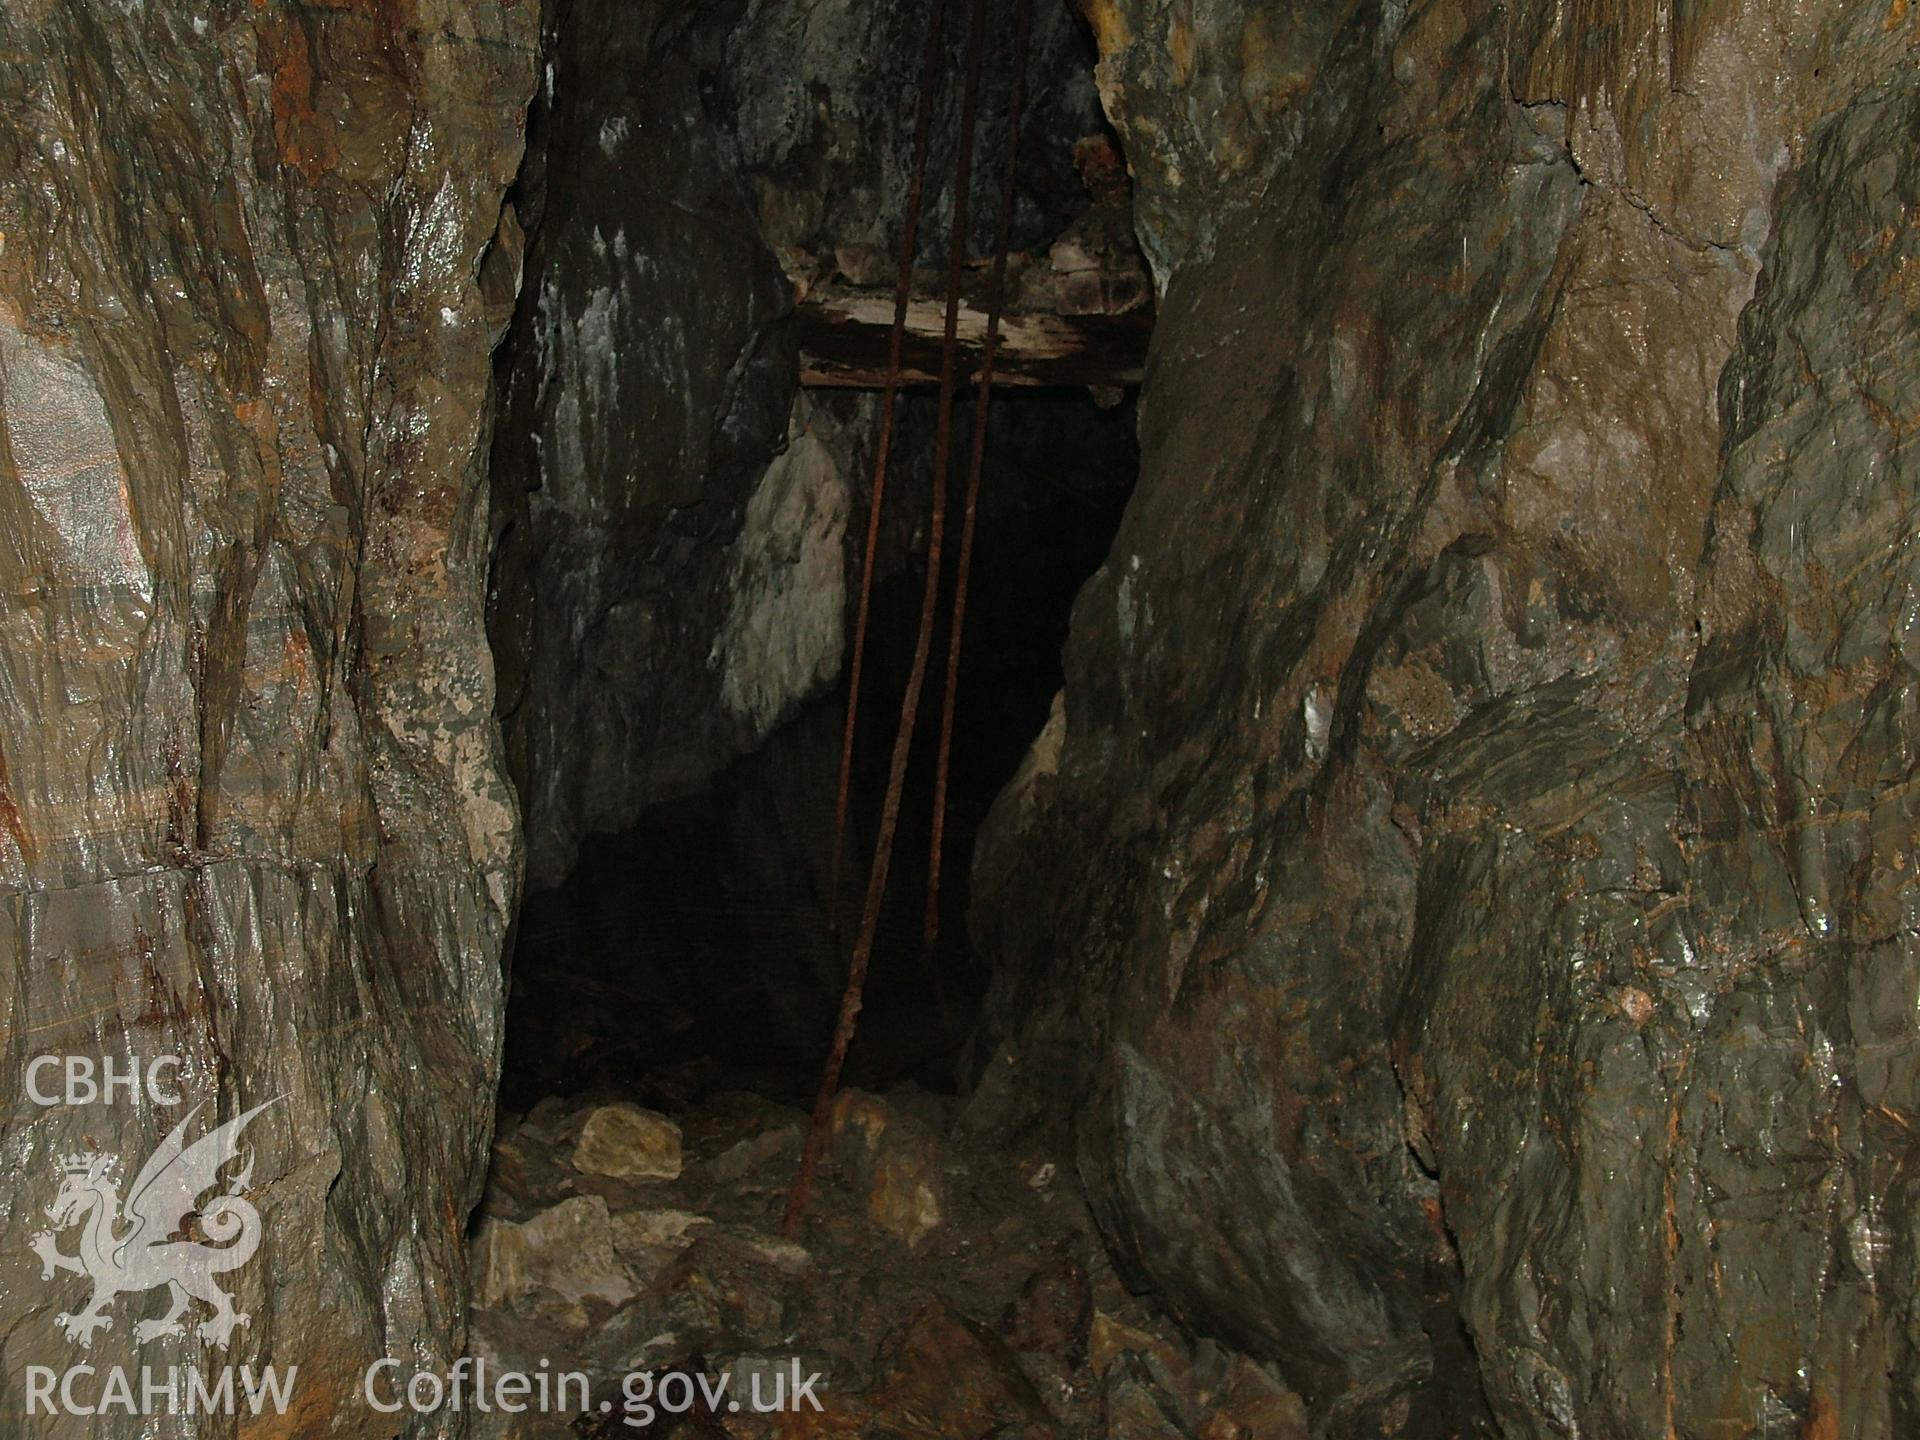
(944, 1286)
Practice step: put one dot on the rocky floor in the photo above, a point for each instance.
(946, 1285)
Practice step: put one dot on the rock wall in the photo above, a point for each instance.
(252, 810)
(646, 386)
(821, 101)
(1464, 892)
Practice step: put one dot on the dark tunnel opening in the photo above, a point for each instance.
(689, 402)
(690, 952)
(690, 398)
(681, 469)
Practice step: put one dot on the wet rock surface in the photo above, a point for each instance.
(646, 385)
(1462, 900)
(995, 1315)
(821, 101)
(252, 811)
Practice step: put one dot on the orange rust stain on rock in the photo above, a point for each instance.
(10, 820)
(300, 133)
(311, 1412)
(1636, 1005)
(1110, 33)
(296, 655)
(1896, 13)
(1180, 47)
(162, 1007)
(1823, 1419)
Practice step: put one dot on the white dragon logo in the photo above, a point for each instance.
(154, 1242)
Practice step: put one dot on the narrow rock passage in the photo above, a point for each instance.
(689, 951)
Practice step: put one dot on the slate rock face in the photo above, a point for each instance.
(252, 812)
(1465, 884)
(649, 381)
(821, 100)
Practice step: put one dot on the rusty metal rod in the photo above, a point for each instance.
(802, 1192)
(883, 445)
(982, 397)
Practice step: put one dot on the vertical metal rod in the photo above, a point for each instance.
(802, 1192)
(883, 447)
(983, 393)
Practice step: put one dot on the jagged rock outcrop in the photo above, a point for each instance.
(252, 812)
(1468, 877)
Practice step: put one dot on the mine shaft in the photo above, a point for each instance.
(959, 720)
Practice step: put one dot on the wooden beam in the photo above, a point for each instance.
(843, 336)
